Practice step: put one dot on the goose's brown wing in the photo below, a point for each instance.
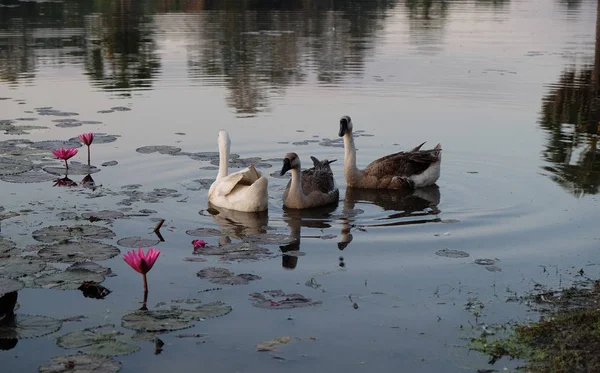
(317, 179)
(403, 163)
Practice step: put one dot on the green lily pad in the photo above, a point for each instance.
(28, 177)
(135, 242)
(207, 311)
(64, 232)
(162, 149)
(449, 253)
(18, 267)
(8, 285)
(155, 321)
(223, 276)
(56, 144)
(99, 138)
(204, 232)
(81, 364)
(72, 252)
(94, 267)
(100, 340)
(9, 166)
(67, 280)
(26, 326)
(75, 168)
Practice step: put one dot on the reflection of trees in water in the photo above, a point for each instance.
(33, 31)
(571, 117)
(120, 49)
(260, 50)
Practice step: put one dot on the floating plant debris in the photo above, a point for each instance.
(55, 112)
(224, 276)
(155, 321)
(68, 280)
(81, 364)
(135, 242)
(120, 108)
(204, 156)
(75, 168)
(277, 299)
(99, 138)
(153, 196)
(68, 124)
(162, 149)
(9, 166)
(6, 245)
(72, 252)
(237, 252)
(19, 267)
(485, 262)
(110, 163)
(90, 289)
(65, 232)
(103, 215)
(270, 239)
(244, 162)
(448, 253)
(272, 344)
(194, 259)
(26, 326)
(203, 232)
(493, 268)
(28, 177)
(8, 285)
(100, 340)
(67, 215)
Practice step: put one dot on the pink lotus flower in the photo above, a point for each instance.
(87, 139)
(64, 154)
(198, 244)
(141, 262)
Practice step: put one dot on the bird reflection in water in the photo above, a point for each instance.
(318, 217)
(406, 206)
(239, 224)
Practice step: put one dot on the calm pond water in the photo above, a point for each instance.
(509, 87)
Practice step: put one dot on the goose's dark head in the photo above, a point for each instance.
(345, 125)
(290, 161)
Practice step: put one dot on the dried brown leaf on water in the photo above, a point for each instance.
(272, 344)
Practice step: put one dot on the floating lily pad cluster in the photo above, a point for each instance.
(277, 299)
(154, 196)
(224, 276)
(164, 320)
(101, 340)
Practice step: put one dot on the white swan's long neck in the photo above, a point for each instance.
(223, 160)
(350, 168)
(296, 191)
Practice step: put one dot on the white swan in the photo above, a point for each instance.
(245, 190)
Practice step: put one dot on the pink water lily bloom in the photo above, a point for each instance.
(142, 262)
(64, 154)
(198, 244)
(87, 139)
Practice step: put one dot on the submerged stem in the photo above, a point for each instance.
(66, 164)
(88, 155)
